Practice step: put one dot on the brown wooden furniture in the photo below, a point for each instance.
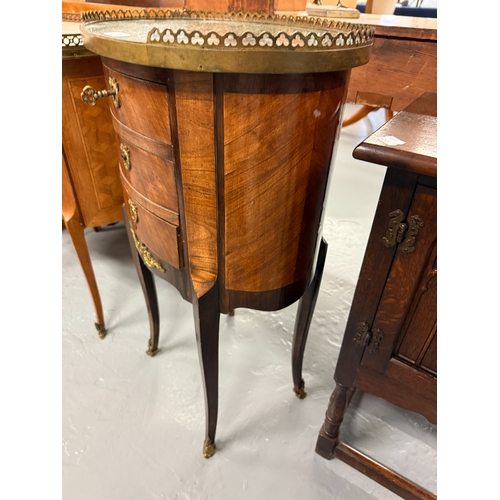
(91, 189)
(403, 65)
(403, 62)
(226, 151)
(268, 6)
(390, 341)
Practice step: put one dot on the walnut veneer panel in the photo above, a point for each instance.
(163, 238)
(152, 176)
(275, 164)
(144, 106)
(196, 137)
(90, 145)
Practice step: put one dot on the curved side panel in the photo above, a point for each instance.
(278, 138)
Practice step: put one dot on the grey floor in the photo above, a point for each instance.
(133, 426)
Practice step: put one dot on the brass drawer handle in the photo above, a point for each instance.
(144, 252)
(125, 154)
(90, 95)
(133, 211)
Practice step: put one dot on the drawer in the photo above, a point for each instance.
(143, 106)
(154, 235)
(150, 175)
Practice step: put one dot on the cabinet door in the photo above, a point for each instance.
(405, 320)
(400, 362)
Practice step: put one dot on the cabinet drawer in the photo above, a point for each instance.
(143, 106)
(150, 175)
(158, 236)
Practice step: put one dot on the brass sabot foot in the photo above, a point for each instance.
(208, 448)
(100, 330)
(150, 351)
(300, 392)
(231, 313)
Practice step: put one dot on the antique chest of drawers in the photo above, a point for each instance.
(227, 126)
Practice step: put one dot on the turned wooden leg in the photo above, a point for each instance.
(328, 438)
(76, 233)
(303, 321)
(206, 318)
(149, 289)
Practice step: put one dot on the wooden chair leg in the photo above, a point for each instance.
(146, 279)
(206, 318)
(358, 115)
(305, 312)
(76, 232)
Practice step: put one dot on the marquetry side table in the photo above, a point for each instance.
(91, 190)
(389, 347)
(227, 125)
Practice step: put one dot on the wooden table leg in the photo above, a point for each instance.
(146, 279)
(206, 318)
(303, 321)
(75, 230)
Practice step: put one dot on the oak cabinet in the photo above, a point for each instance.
(389, 348)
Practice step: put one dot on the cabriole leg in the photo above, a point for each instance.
(206, 318)
(149, 289)
(303, 321)
(76, 232)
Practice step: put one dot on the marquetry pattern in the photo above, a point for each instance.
(100, 141)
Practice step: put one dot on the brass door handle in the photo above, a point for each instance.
(90, 95)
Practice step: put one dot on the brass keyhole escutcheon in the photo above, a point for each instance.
(90, 96)
(125, 154)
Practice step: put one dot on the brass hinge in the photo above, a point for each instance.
(402, 232)
(364, 337)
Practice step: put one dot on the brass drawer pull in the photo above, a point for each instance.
(144, 252)
(125, 154)
(133, 211)
(90, 95)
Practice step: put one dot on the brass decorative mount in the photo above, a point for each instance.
(308, 32)
(125, 155)
(133, 211)
(150, 352)
(101, 330)
(300, 393)
(208, 448)
(144, 252)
